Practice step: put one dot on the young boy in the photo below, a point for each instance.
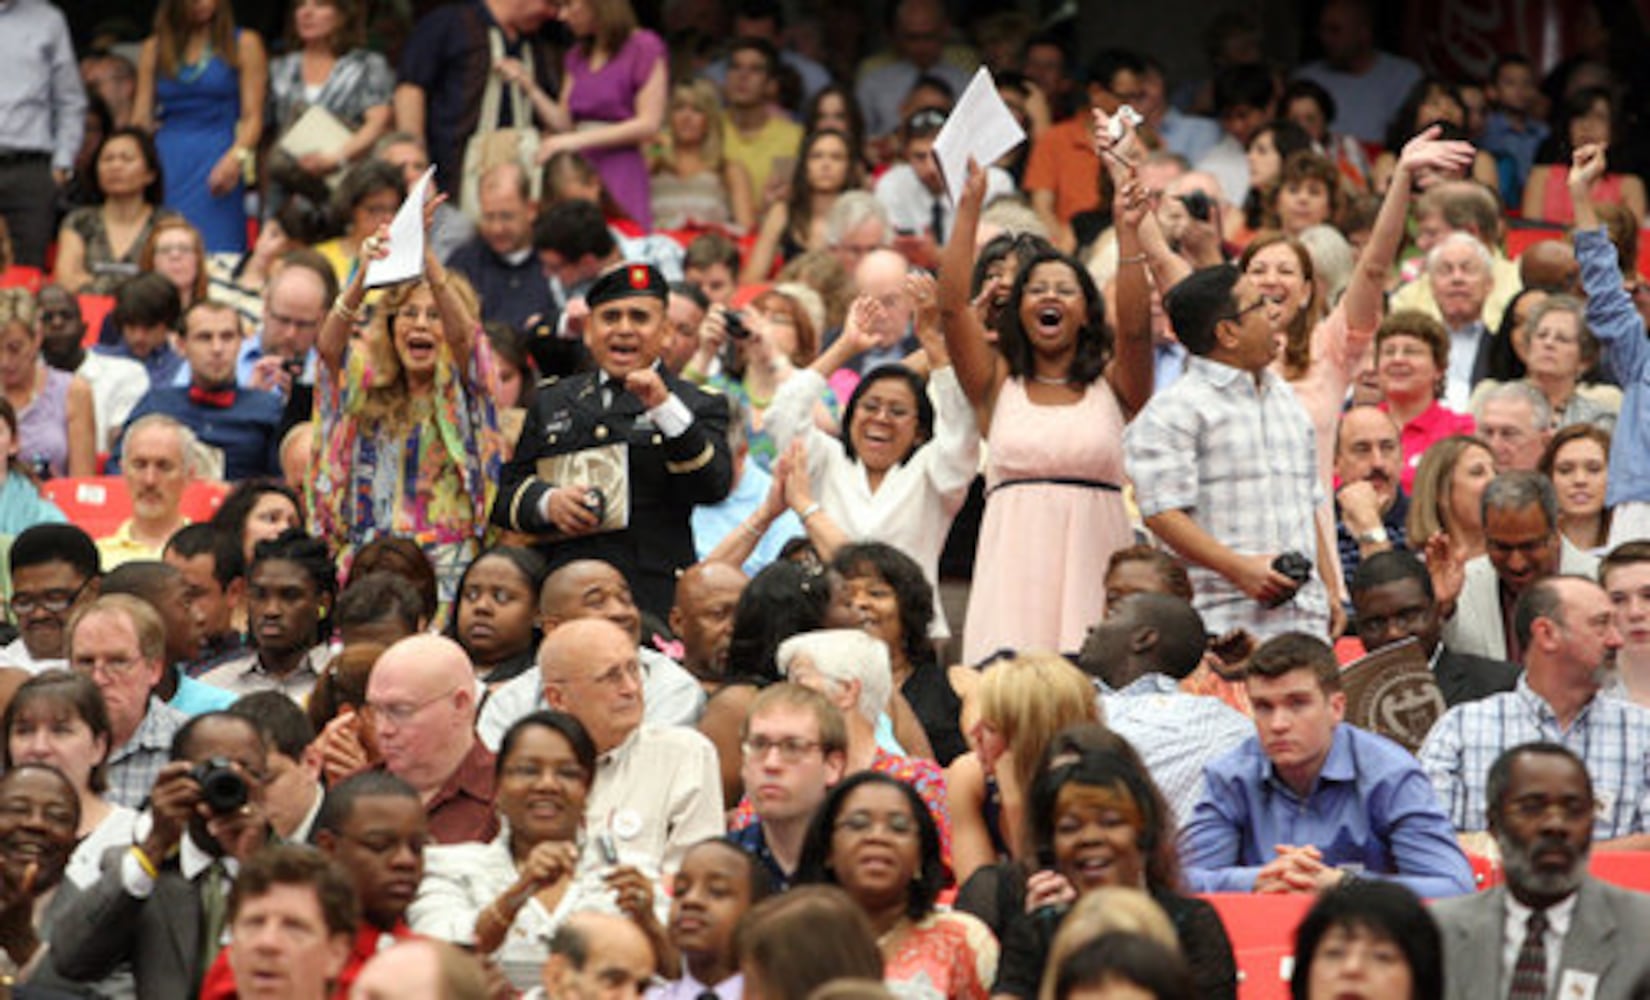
(1512, 130)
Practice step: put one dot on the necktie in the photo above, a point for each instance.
(219, 399)
(936, 218)
(1529, 978)
(214, 890)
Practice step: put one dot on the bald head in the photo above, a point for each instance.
(1550, 266)
(589, 588)
(421, 694)
(598, 954)
(702, 617)
(434, 658)
(589, 669)
(881, 276)
(420, 969)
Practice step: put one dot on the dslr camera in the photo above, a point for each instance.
(222, 788)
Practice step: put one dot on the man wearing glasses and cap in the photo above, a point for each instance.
(611, 462)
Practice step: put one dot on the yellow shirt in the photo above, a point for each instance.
(779, 139)
(1418, 294)
(121, 547)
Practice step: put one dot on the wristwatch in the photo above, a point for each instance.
(1375, 537)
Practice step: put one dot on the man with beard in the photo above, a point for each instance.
(1569, 633)
(1370, 506)
(1551, 923)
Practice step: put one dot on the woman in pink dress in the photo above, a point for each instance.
(1051, 404)
(613, 99)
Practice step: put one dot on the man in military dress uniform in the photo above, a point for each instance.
(611, 462)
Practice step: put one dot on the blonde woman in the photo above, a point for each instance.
(408, 440)
(1444, 514)
(694, 184)
(1022, 703)
(55, 433)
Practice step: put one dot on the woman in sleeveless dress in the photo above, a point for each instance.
(1051, 403)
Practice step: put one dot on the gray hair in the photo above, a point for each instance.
(1457, 239)
(1570, 306)
(1517, 490)
(852, 210)
(1332, 259)
(1541, 411)
(842, 655)
(195, 455)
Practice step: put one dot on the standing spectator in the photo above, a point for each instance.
(612, 100)
(116, 383)
(99, 243)
(55, 435)
(43, 107)
(444, 70)
(499, 262)
(758, 136)
(694, 182)
(1368, 85)
(920, 33)
(330, 68)
(201, 85)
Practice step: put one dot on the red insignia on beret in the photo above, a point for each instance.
(638, 277)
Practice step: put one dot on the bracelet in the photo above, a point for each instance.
(807, 512)
(143, 861)
(1139, 258)
(745, 526)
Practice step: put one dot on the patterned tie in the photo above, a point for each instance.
(1529, 978)
(214, 889)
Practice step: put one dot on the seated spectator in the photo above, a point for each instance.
(1517, 422)
(686, 310)
(787, 726)
(826, 168)
(21, 505)
(1307, 104)
(450, 227)
(365, 200)
(1063, 169)
(1310, 800)
(496, 617)
(293, 792)
(516, 382)
(1625, 574)
(1370, 505)
(1445, 510)
(1265, 153)
(146, 314)
(656, 787)
(1523, 545)
(1307, 193)
(876, 816)
(258, 510)
(1562, 349)
(589, 588)
(37, 838)
(116, 383)
(843, 943)
(279, 355)
(1368, 937)
(715, 887)
(1412, 358)
(159, 463)
(1550, 910)
(1568, 636)
(857, 225)
(712, 263)
(54, 571)
(1368, 84)
(913, 189)
(404, 558)
(499, 262)
(1459, 270)
(707, 596)
(242, 424)
(597, 953)
(1577, 461)
(58, 719)
(98, 244)
(292, 918)
(504, 898)
(422, 969)
(1145, 647)
(160, 585)
(55, 434)
(1588, 116)
(1122, 960)
(214, 591)
(373, 827)
(174, 251)
(345, 739)
(1513, 131)
(851, 669)
(1432, 101)
(694, 183)
(290, 589)
(1393, 600)
(421, 701)
(1021, 702)
(1451, 206)
(180, 870)
(120, 643)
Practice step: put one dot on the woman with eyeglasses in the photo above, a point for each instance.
(505, 898)
(1411, 364)
(1561, 350)
(366, 199)
(55, 433)
(176, 252)
(408, 442)
(873, 837)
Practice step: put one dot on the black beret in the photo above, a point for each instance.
(626, 281)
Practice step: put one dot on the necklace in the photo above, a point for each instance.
(1051, 380)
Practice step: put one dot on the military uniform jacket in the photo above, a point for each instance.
(667, 477)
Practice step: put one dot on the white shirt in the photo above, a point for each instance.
(16, 654)
(1516, 925)
(657, 794)
(910, 204)
(117, 384)
(670, 697)
(1230, 165)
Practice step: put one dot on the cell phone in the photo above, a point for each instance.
(1197, 205)
(293, 367)
(783, 166)
(1045, 858)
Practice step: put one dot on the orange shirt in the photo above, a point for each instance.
(1063, 161)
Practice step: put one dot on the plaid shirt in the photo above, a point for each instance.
(1612, 737)
(1176, 734)
(1239, 459)
(134, 764)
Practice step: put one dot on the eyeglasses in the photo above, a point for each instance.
(1264, 300)
(791, 750)
(53, 602)
(401, 714)
(893, 411)
(173, 249)
(897, 825)
(114, 666)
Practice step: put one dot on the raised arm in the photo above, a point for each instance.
(1130, 372)
(1587, 166)
(457, 321)
(333, 340)
(980, 369)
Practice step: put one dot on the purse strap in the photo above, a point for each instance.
(490, 95)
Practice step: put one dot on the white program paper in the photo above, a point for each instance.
(406, 256)
(980, 126)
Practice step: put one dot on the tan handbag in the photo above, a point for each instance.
(490, 145)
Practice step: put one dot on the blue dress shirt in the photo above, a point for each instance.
(1372, 811)
(1620, 332)
(247, 431)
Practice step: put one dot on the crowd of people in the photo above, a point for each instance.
(743, 561)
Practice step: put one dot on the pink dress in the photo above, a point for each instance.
(608, 95)
(1054, 514)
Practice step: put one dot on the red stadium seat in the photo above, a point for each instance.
(1628, 869)
(1521, 238)
(1262, 929)
(100, 504)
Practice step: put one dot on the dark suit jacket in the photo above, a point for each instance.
(668, 476)
(1606, 939)
(102, 926)
(1465, 677)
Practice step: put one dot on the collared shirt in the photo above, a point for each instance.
(1516, 927)
(1177, 734)
(1611, 737)
(752, 841)
(192, 860)
(1428, 427)
(216, 652)
(657, 793)
(121, 547)
(248, 675)
(689, 988)
(16, 654)
(247, 431)
(911, 206)
(1514, 147)
(1463, 355)
(134, 764)
(461, 810)
(194, 697)
(42, 100)
(1240, 460)
(1369, 811)
(670, 697)
(1616, 322)
(1063, 162)
(161, 364)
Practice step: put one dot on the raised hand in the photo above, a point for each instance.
(1131, 204)
(1426, 152)
(974, 185)
(1122, 156)
(1587, 166)
(922, 290)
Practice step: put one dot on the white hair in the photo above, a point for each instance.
(1460, 239)
(1541, 411)
(852, 210)
(843, 655)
